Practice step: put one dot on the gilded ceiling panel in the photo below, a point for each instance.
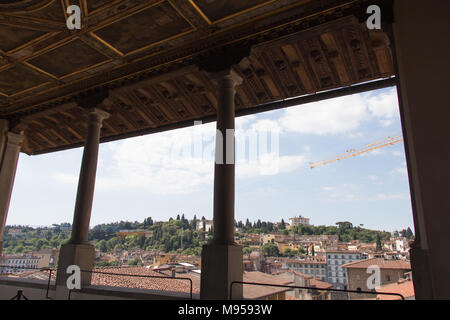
(13, 37)
(215, 10)
(19, 78)
(69, 58)
(145, 28)
(54, 11)
(93, 5)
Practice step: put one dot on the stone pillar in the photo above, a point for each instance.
(222, 259)
(78, 251)
(422, 53)
(9, 153)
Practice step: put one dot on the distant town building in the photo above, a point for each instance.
(208, 225)
(47, 257)
(271, 265)
(302, 280)
(14, 232)
(391, 271)
(295, 221)
(164, 259)
(252, 261)
(137, 232)
(316, 268)
(336, 274)
(19, 263)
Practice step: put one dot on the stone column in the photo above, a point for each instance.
(78, 251)
(222, 259)
(12, 143)
(422, 62)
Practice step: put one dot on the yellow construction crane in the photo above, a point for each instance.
(388, 141)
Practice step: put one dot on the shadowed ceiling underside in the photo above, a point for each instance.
(149, 55)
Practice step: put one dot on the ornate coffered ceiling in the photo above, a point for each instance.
(148, 53)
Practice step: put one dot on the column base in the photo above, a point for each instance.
(221, 265)
(82, 255)
(420, 266)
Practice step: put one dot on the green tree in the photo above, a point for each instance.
(270, 250)
(134, 262)
(378, 243)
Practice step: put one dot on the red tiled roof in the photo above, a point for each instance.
(319, 284)
(380, 262)
(405, 287)
(161, 284)
(257, 292)
(174, 285)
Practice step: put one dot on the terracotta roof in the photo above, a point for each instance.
(404, 286)
(173, 285)
(169, 284)
(380, 262)
(312, 282)
(319, 284)
(258, 292)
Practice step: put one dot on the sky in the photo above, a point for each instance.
(165, 174)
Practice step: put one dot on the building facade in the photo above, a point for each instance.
(315, 268)
(336, 274)
(295, 221)
(19, 264)
(390, 271)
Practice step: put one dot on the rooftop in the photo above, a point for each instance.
(380, 262)
(405, 287)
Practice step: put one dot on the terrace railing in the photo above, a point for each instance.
(51, 270)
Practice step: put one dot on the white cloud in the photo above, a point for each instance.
(398, 153)
(341, 115)
(171, 162)
(343, 193)
(175, 162)
(269, 164)
(384, 105)
(402, 170)
(389, 196)
(162, 163)
(333, 116)
(267, 125)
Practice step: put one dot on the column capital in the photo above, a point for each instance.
(15, 139)
(97, 115)
(226, 79)
(95, 99)
(223, 58)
